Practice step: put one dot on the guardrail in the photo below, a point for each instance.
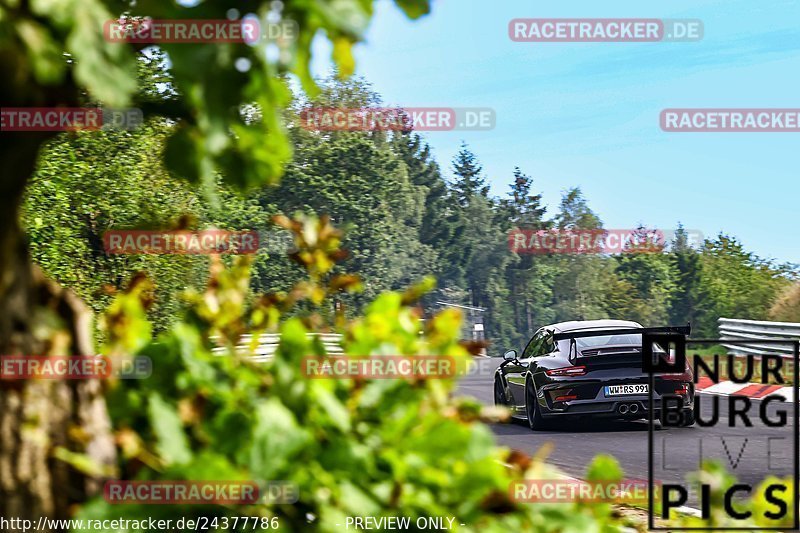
(755, 330)
(268, 345)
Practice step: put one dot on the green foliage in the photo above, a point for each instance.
(43, 31)
(604, 468)
(353, 447)
(359, 179)
(215, 136)
(470, 181)
(403, 221)
(64, 45)
(714, 474)
(690, 298)
(739, 284)
(787, 307)
(574, 212)
(653, 279)
(523, 207)
(89, 183)
(439, 226)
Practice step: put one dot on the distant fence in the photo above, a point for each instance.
(268, 345)
(756, 330)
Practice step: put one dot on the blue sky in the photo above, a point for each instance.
(586, 114)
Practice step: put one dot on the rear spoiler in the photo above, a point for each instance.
(675, 330)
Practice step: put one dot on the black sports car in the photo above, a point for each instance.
(589, 368)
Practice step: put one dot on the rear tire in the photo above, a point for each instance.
(535, 419)
(499, 393)
(688, 417)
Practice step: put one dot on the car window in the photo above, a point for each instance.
(531, 348)
(542, 343)
(609, 340)
(548, 344)
(630, 339)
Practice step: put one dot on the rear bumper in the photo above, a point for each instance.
(586, 395)
(608, 409)
(633, 406)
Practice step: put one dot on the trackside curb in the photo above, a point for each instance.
(756, 391)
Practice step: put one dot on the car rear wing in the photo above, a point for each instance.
(579, 334)
(651, 361)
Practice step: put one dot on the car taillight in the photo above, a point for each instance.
(685, 376)
(675, 377)
(567, 371)
(565, 398)
(682, 390)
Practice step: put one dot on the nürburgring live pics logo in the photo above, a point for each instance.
(671, 358)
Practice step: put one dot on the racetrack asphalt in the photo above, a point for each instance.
(750, 453)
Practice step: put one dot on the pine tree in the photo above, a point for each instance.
(574, 212)
(522, 207)
(441, 226)
(690, 298)
(470, 181)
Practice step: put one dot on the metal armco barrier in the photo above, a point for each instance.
(755, 330)
(268, 345)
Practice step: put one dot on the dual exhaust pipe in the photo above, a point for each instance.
(625, 408)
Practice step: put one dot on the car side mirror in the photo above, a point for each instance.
(510, 355)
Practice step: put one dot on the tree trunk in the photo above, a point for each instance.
(37, 317)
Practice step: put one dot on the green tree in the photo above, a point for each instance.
(739, 284)
(55, 55)
(88, 184)
(522, 207)
(470, 181)
(530, 277)
(91, 182)
(483, 246)
(438, 227)
(787, 306)
(574, 212)
(652, 276)
(362, 183)
(690, 301)
(579, 285)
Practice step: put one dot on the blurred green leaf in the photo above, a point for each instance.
(414, 8)
(604, 467)
(171, 441)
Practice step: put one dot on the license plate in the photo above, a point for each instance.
(626, 390)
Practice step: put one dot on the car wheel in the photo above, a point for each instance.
(499, 393)
(535, 418)
(688, 417)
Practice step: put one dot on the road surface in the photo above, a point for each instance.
(749, 452)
